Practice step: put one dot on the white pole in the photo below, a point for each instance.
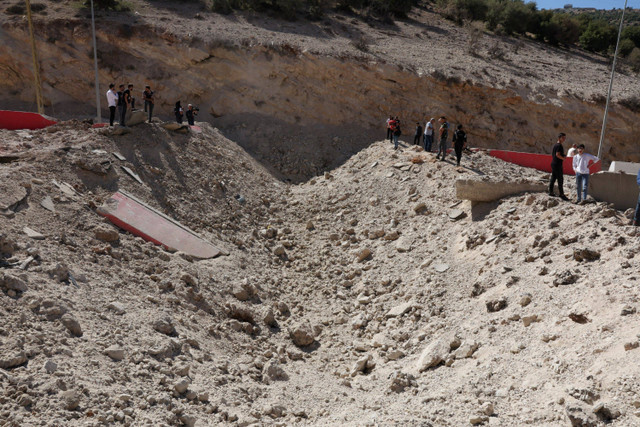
(95, 64)
(613, 70)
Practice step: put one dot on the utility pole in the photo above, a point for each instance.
(613, 70)
(95, 66)
(36, 66)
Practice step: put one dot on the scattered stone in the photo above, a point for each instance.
(60, 272)
(403, 244)
(631, 345)
(420, 208)
(182, 385)
(363, 365)
(528, 320)
(302, 335)
(50, 366)
(457, 214)
(579, 318)
(310, 226)
(274, 371)
(496, 305)
(487, 408)
(605, 413)
(33, 234)
(433, 355)
(466, 350)
(585, 255)
(400, 381)
(165, 326)
(115, 352)
(47, 203)
(70, 400)
(628, 310)
(117, 307)
(12, 282)
(525, 299)
(72, 324)
(11, 358)
(440, 267)
(565, 278)
(399, 310)
(106, 234)
(475, 420)
(394, 235)
(364, 254)
(270, 319)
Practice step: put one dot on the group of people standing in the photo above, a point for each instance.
(427, 135)
(124, 100)
(580, 164)
(191, 113)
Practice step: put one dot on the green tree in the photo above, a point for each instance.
(598, 36)
(626, 47)
(633, 34)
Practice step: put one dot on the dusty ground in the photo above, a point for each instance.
(366, 295)
(525, 316)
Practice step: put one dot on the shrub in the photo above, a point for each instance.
(16, 9)
(464, 10)
(497, 52)
(631, 103)
(633, 34)
(626, 47)
(598, 36)
(634, 59)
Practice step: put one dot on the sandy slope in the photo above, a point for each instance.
(520, 318)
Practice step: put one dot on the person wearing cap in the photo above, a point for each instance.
(147, 96)
(112, 102)
(581, 168)
(428, 134)
(191, 113)
(557, 156)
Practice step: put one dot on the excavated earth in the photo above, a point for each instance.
(358, 289)
(366, 296)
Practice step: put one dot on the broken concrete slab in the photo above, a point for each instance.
(487, 190)
(135, 216)
(47, 203)
(119, 156)
(440, 267)
(618, 188)
(11, 193)
(30, 232)
(132, 174)
(457, 214)
(67, 189)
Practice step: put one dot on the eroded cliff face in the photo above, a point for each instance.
(298, 113)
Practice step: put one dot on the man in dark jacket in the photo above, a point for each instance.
(557, 156)
(459, 142)
(418, 135)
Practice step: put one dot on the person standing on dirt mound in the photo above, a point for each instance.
(418, 135)
(191, 114)
(636, 217)
(428, 134)
(120, 102)
(444, 133)
(389, 131)
(112, 102)
(395, 129)
(581, 168)
(557, 156)
(147, 96)
(126, 102)
(459, 142)
(178, 112)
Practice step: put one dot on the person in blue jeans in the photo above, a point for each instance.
(636, 217)
(581, 162)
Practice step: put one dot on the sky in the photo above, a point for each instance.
(599, 4)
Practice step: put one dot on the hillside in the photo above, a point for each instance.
(283, 89)
(358, 289)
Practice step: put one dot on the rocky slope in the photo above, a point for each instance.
(365, 296)
(282, 90)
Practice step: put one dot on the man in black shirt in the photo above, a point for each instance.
(557, 156)
(418, 135)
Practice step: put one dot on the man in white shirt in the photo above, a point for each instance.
(428, 134)
(112, 101)
(572, 151)
(581, 167)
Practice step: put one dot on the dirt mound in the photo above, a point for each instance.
(364, 296)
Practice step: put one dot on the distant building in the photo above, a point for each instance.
(568, 6)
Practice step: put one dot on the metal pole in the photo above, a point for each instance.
(95, 65)
(613, 70)
(36, 67)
